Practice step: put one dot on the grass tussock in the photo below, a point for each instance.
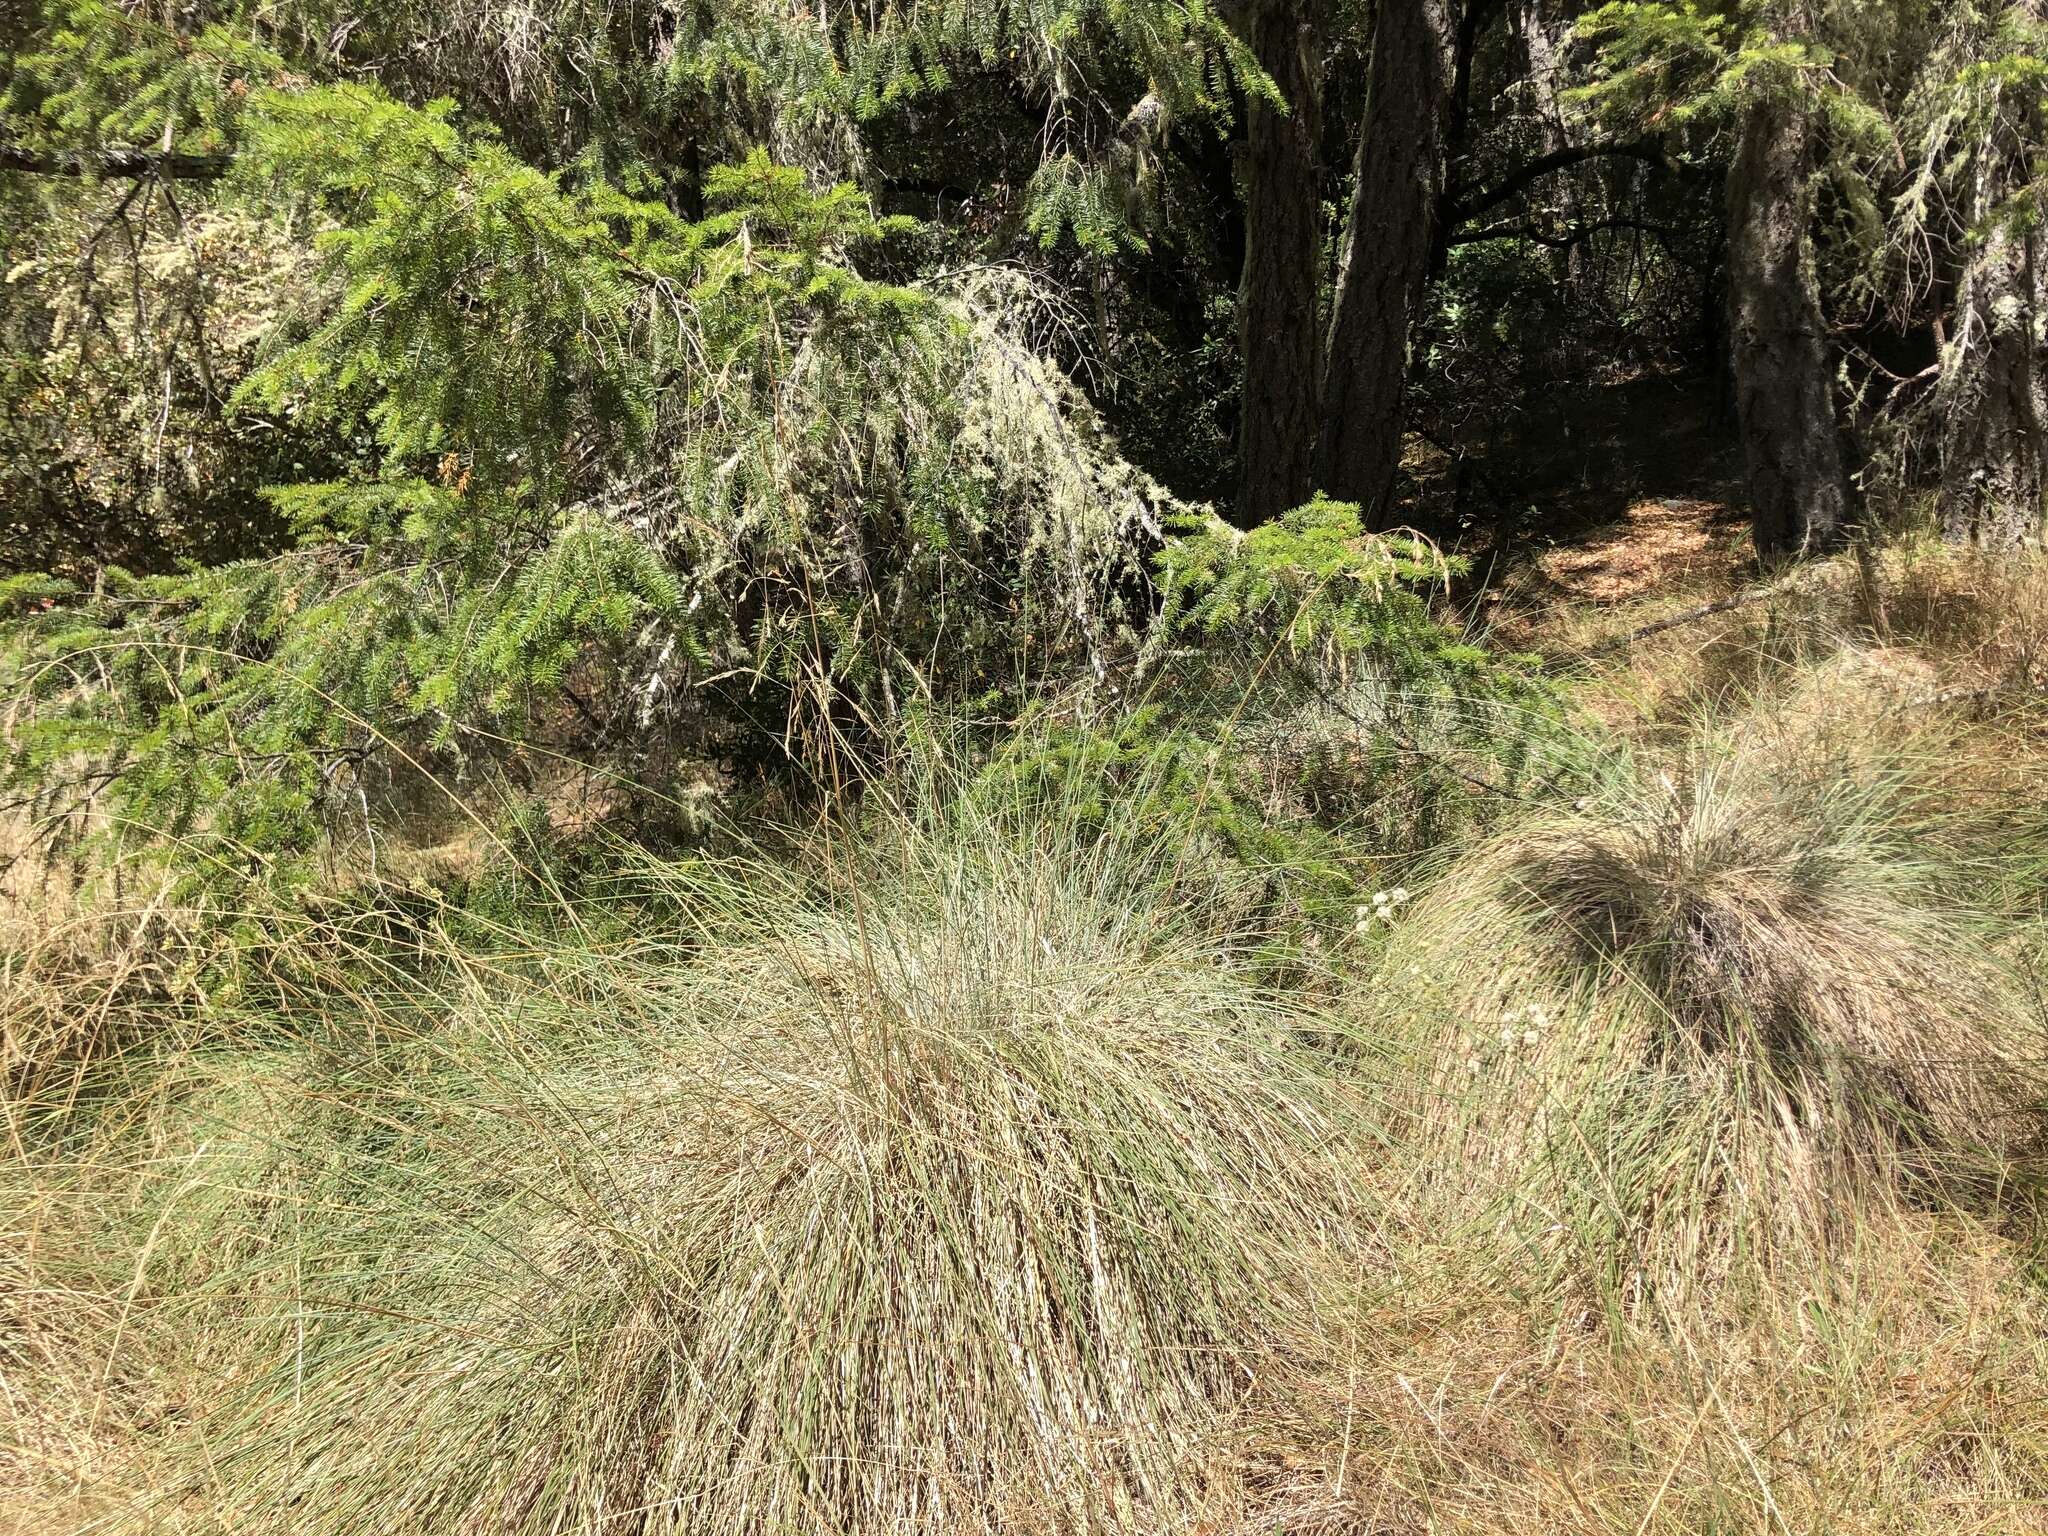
(1710, 1009)
(941, 1193)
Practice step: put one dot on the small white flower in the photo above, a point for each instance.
(1530, 1037)
(1400, 895)
(1507, 1036)
(1472, 1066)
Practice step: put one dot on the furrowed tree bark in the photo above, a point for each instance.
(1383, 267)
(1533, 33)
(1784, 397)
(1534, 28)
(1992, 400)
(1279, 325)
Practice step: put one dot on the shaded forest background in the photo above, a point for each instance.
(728, 379)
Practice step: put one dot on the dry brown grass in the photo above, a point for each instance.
(1739, 1233)
(959, 1187)
(987, 1203)
(1719, 1002)
(1896, 1389)
(68, 1421)
(89, 956)
(1919, 626)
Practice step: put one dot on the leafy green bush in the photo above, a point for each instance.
(1315, 646)
(1314, 580)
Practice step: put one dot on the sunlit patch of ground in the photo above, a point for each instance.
(1665, 542)
(1667, 553)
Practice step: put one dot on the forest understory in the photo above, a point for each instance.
(1658, 1162)
(1072, 766)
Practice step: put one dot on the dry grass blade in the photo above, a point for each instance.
(1714, 1009)
(952, 1198)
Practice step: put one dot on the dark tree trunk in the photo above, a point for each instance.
(1784, 398)
(1279, 327)
(1383, 264)
(1537, 57)
(1993, 395)
(1993, 398)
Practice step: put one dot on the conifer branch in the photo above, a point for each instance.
(1462, 204)
(173, 165)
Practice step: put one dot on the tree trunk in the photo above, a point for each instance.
(1537, 58)
(1994, 398)
(1536, 62)
(1278, 322)
(1784, 398)
(1993, 395)
(1383, 267)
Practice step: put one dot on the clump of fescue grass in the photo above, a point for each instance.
(968, 1174)
(1703, 1014)
(948, 1185)
(1981, 614)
